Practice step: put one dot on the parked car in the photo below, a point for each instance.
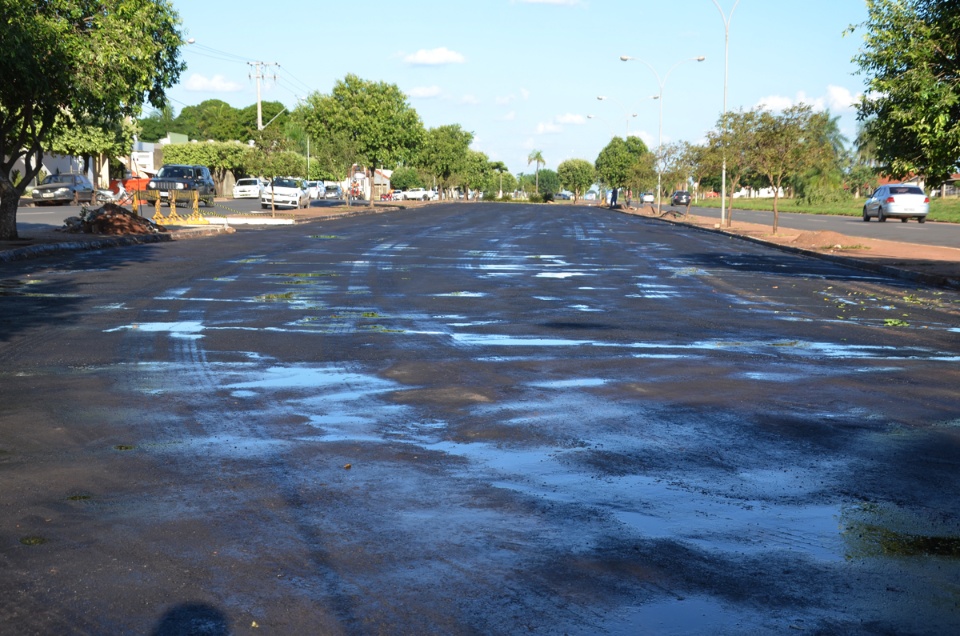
(417, 194)
(249, 188)
(897, 200)
(647, 197)
(333, 192)
(314, 189)
(63, 189)
(680, 197)
(563, 195)
(285, 192)
(184, 180)
(396, 195)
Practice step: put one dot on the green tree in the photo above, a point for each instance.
(476, 174)
(387, 131)
(272, 114)
(615, 160)
(536, 156)
(406, 177)
(733, 139)
(220, 156)
(443, 152)
(93, 141)
(911, 64)
(100, 60)
(157, 124)
(500, 168)
(576, 175)
(212, 119)
(789, 144)
(549, 182)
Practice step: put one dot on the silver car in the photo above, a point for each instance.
(897, 200)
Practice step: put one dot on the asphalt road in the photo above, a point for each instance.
(929, 233)
(470, 419)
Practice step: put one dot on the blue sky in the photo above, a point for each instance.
(526, 74)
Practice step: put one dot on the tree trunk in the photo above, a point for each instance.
(9, 200)
(776, 212)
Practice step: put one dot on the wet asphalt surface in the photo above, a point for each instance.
(475, 419)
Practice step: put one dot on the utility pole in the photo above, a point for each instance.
(258, 75)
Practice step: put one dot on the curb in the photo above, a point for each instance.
(932, 280)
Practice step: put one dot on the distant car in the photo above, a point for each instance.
(647, 197)
(249, 188)
(63, 189)
(314, 189)
(396, 195)
(333, 192)
(563, 195)
(184, 180)
(680, 197)
(897, 200)
(418, 194)
(711, 195)
(286, 192)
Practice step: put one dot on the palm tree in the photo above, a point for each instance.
(537, 156)
(499, 167)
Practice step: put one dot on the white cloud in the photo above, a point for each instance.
(469, 99)
(425, 92)
(840, 98)
(570, 118)
(511, 116)
(215, 84)
(524, 93)
(503, 101)
(434, 57)
(548, 128)
(837, 99)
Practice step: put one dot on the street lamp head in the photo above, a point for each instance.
(625, 58)
(601, 97)
(701, 58)
(191, 41)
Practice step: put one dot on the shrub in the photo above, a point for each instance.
(535, 198)
(547, 197)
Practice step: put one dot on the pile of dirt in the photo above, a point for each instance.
(111, 219)
(823, 240)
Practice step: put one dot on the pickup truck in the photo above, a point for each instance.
(418, 194)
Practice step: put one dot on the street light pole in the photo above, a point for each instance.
(726, 69)
(661, 82)
(627, 114)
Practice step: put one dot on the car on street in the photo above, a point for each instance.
(647, 197)
(563, 195)
(417, 194)
(249, 188)
(182, 183)
(333, 192)
(286, 192)
(680, 197)
(62, 189)
(314, 189)
(899, 201)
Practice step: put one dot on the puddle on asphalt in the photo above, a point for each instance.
(570, 384)
(184, 329)
(562, 275)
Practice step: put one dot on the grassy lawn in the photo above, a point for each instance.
(940, 209)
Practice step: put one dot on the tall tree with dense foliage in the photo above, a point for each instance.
(387, 131)
(100, 60)
(911, 62)
(615, 160)
(443, 153)
(220, 156)
(576, 175)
